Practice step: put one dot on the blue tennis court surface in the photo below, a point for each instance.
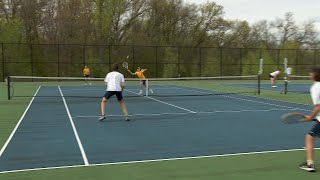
(64, 131)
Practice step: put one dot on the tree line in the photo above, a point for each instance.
(146, 22)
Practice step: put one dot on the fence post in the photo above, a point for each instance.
(296, 64)
(84, 55)
(8, 87)
(58, 60)
(278, 59)
(179, 73)
(314, 57)
(200, 61)
(220, 61)
(133, 60)
(109, 48)
(240, 61)
(31, 59)
(156, 61)
(3, 64)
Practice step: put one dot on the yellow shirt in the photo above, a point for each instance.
(140, 74)
(86, 71)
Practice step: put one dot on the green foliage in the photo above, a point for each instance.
(11, 31)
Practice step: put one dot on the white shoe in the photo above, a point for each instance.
(140, 93)
(90, 83)
(274, 86)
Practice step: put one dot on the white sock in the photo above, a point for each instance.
(309, 162)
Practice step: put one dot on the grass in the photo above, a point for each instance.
(280, 165)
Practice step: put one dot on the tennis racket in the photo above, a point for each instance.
(293, 118)
(125, 65)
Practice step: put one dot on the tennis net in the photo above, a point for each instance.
(26, 86)
(297, 84)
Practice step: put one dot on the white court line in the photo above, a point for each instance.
(103, 89)
(201, 112)
(83, 153)
(155, 160)
(163, 102)
(18, 124)
(260, 102)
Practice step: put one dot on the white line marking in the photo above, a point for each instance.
(155, 160)
(186, 113)
(164, 102)
(83, 153)
(18, 124)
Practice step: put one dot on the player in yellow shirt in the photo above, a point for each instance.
(86, 74)
(140, 73)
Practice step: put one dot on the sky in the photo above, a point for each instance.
(255, 10)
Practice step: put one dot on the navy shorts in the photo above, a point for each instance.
(87, 76)
(271, 76)
(315, 130)
(108, 94)
(143, 82)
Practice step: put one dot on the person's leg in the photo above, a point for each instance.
(106, 96)
(309, 148)
(124, 110)
(123, 105)
(309, 140)
(141, 86)
(103, 108)
(273, 82)
(85, 80)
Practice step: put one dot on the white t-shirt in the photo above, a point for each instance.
(114, 80)
(289, 70)
(274, 74)
(315, 95)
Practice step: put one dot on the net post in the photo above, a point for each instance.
(285, 78)
(285, 87)
(8, 80)
(259, 84)
(259, 75)
(147, 87)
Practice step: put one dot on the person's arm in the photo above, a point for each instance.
(131, 72)
(315, 112)
(106, 80)
(123, 83)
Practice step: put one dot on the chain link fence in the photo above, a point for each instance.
(68, 60)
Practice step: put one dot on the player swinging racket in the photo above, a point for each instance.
(116, 83)
(314, 116)
(140, 73)
(273, 77)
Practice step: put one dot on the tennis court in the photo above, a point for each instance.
(60, 128)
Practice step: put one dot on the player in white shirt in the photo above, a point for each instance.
(289, 72)
(273, 77)
(115, 84)
(314, 116)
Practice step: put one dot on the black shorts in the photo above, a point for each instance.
(143, 82)
(271, 76)
(315, 130)
(108, 94)
(87, 76)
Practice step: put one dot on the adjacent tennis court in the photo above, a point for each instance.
(181, 120)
